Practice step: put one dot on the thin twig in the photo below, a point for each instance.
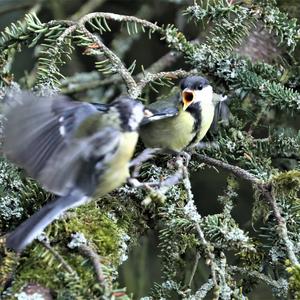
(96, 262)
(13, 8)
(209, 253)
(195, 266)
(115, 61)
(164, 62)
(120, 18)
(58, 257)
(207, 246)
(151, 77)
(239, 172)
(145, 78)
(70, 88)
(266, 190)
(254, 274)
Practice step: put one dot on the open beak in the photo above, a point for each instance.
(187, 98)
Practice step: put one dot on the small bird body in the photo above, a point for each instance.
(181, 122)
(75, 150)
(159, 134)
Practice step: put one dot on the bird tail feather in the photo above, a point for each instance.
(25, 233)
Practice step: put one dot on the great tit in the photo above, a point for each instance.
(75, 150)
(180, 122)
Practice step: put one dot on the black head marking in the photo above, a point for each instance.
(131, 112)
(193, 83)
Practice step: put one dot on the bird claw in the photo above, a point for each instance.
(186, 157)
(181, 159)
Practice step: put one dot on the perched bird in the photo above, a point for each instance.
(74, 149)
(181, 122)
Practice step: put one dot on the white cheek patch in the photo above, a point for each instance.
(204, 96)
(136, 117)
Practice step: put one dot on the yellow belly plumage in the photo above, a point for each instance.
(117, 170)
(176, 133)
(173, 133)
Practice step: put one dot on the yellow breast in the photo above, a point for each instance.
(172, 133)
(117, 170)
(207, 116)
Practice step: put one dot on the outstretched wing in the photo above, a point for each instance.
(161, 109)
(39, 136)
(80, 163)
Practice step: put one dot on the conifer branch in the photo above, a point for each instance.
(120, 18)
(115, 61)
(239, 172)
(256, 275)
(266, 190)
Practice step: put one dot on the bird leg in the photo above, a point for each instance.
(137, 162)
(157, 189)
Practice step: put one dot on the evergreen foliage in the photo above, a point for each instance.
(79, 256)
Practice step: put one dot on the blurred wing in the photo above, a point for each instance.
(79, 164)
(222, 113)
(161, 109)
(37, 130)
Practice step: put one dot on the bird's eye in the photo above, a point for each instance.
(200, 87)
(187, 96)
